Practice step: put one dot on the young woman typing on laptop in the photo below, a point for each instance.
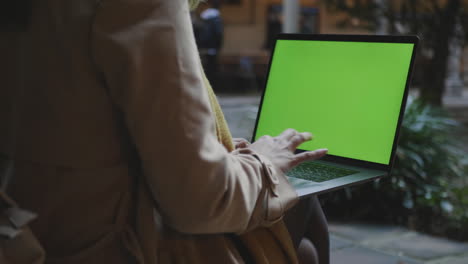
(121, 147)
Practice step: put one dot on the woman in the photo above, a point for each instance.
(116, 144)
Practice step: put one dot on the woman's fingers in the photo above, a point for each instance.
(288, 134)
(298, 139)
(240, 142)
(308, 156)
(280, 150)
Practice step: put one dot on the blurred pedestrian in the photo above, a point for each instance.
(273, 26)
(210, 41)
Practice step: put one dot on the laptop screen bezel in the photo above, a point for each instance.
(351, 38)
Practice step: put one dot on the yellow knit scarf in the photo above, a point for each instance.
(266, 245)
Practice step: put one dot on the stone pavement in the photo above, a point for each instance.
(358, 242)
(370, 243)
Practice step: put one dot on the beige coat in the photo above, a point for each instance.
(75, 161)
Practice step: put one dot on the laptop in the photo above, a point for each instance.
(350, 92)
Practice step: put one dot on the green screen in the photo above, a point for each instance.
(347, 94)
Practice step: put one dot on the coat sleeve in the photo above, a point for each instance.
(146, 52)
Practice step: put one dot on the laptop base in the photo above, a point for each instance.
(305, 188)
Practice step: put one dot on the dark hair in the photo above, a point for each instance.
(215, 3)
(15, 15)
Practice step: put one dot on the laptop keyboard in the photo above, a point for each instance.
(318, 172)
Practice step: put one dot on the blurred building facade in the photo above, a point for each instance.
(250, 26)
(246, 22)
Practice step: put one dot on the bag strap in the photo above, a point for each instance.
(17, 217)
(6, 176)
(16, 99)
(7, 173)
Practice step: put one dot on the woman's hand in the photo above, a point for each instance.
(240, 142)
(280, 150)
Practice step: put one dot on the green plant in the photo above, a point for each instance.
(428, 161)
